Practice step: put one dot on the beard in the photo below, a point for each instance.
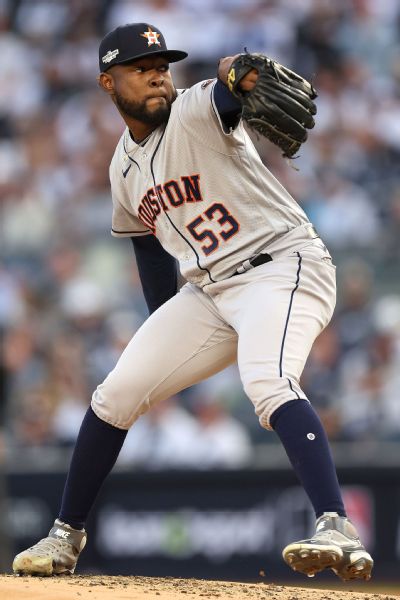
(140, 111)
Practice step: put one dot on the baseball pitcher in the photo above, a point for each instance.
(189, 188)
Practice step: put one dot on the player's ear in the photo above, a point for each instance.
(105, 81)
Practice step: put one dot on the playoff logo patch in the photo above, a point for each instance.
(111, 54)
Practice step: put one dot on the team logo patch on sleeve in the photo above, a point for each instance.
(152, 37)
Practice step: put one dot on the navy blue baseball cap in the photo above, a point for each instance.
(134, 40)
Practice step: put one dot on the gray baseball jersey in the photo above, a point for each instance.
(206, 195)
(201, 190)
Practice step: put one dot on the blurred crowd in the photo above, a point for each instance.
(70, 297)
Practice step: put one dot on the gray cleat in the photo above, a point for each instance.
(57, 554)
(335, 545)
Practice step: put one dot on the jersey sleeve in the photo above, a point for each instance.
(124, 222)
(199, 115)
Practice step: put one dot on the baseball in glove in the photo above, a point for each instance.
(280, 107)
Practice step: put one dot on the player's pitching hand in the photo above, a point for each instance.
(248, 81)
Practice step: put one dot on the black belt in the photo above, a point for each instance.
(258, 260)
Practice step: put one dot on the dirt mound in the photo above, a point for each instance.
(97, 587)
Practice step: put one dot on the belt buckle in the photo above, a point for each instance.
(245, 266)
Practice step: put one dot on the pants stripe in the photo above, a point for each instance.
(293, 390)
(288, 314)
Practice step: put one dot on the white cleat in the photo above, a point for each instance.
(56, 554)
(335, 545)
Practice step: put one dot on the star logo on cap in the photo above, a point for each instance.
(152, 36)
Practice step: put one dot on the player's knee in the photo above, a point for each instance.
(269, 394)
(117, 403)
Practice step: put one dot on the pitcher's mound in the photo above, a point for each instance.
(97, 587)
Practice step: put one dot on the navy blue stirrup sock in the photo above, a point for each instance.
(95, 454)
(305, 441)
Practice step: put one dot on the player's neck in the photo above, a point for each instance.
(140, 142)
(141, 139)
(138, 130)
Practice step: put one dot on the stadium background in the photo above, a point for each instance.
(70, 298)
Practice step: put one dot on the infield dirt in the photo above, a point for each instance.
(96, 587)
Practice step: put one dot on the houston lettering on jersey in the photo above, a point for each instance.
(173, 193)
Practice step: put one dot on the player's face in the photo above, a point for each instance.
(143, 89)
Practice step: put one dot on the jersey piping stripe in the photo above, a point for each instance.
(293, 390)
(288, 315)
(133, 231)
(125, 173)
(131, 159)
(169, 218)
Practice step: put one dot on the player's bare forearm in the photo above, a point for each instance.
(247, 83)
